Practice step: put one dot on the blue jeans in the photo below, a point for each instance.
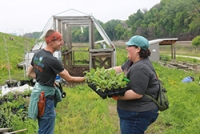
(47, 121)
(135, 122)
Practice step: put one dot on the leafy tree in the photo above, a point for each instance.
(169, 18)
(97, 35)
(34, 35)
(194, 18)
(80, 34)
(196, 41)
(135, 17)
(134, 22)
(110, 28)
(127, 34)
(119, 31)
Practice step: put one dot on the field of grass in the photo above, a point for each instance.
(88, 113)
(84, 112)
(12, 52)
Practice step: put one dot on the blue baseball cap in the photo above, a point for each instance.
(139, 41)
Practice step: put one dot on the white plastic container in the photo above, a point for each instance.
(104, 46)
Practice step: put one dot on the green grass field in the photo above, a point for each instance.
(84, 112)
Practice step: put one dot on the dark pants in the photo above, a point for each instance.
(47, 121)
(136, 122)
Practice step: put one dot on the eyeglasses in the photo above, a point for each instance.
(133, 46)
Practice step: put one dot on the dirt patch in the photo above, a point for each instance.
(77, 71)
(112, 110)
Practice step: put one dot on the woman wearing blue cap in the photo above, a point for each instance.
(136, 111)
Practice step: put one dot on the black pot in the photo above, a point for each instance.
(11, 83)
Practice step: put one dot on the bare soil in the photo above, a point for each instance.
(77, 71)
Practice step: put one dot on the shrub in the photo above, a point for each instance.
(196, 41)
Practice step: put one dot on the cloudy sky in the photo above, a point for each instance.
(24, 16)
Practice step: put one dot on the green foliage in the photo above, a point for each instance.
(196, 41)
(169, 18)
(13, 112)
(105, 79)
(16, 49)
(164, 58)
(110, 28)
(119, 31)
(33, 35)
(121, 55)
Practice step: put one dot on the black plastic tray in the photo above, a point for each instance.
(108, 92)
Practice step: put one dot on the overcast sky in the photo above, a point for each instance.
(24, 16)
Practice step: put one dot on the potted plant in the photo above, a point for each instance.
(106, 82)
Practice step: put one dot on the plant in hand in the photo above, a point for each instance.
(105, 79)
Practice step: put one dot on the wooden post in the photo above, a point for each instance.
(91, 33)
(174, 51)
(59, 26)
(70, 48)
(90, 61)
(64, 31)
(54, 23)
(91, 40)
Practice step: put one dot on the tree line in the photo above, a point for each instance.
(167, 19)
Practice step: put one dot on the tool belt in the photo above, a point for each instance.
(51, 97)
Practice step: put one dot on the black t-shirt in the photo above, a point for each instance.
(46, 67)
(142, 80)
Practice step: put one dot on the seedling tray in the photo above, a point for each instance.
(108, 92)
